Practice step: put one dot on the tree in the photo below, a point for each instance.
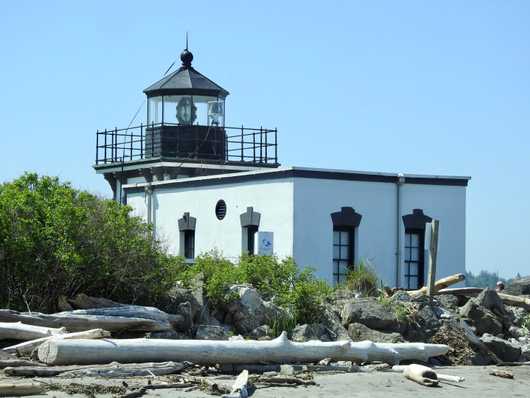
(56, 240)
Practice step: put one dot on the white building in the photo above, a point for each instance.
(205, 186)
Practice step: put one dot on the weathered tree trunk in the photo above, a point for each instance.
(439, 284)
(28, 346)
(507, 299)
(11, 363)
(279, 350)
(421, 375)
(21, 389)
(77, 321)
(20, 331)
(113, 370)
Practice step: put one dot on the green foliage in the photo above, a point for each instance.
(285, 323)
(217, 274)
(280, 281)
(362, 279)
(56, 240)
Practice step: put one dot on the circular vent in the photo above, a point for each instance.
(220, 209)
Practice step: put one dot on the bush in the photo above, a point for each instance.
(280, 281)
(362, 279)
(56, 240)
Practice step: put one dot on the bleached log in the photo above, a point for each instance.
(20, 331)
(279, 350)
(440, 376)
(5, 363)
(421, 375)
(113, 370)
(27, 347)
(507, 299)
(439, 284)
(20, 389)
(77, 321)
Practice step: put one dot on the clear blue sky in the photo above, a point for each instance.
(408, 86)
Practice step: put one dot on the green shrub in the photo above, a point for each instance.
(362, 279)
(300, 292)
(217, 274)
(56, 240)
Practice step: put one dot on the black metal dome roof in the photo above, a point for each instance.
(185, 81)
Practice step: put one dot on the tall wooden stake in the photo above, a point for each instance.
(433, 252)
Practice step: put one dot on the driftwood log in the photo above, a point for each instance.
(20, 389)
(507, 299)
(439, 284)
(279, 350)
(420, 369)
(20, 331)
(421, 375)
(27, 347)
(6, 363)
(113, 370)
(80, 320)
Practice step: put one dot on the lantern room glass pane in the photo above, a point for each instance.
(193, 110)
(154, 110)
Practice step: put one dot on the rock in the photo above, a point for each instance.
(448, 301)
(517, 315)
(401, 296)
(63, 304)
(489, 299)
(360, 332)
(465, 348)
(525, 352)
(517, 332)
(373, 314)
(519, 286)
(213, 332)
(424, 321)
(167, 334)
(507, 351)
(287, 370)
(185, 310)
(330, 319)
(250, 311)
(178, 295)
(313, 331)
(481, 318)
(261, 332)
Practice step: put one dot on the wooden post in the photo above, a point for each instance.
(433, 251)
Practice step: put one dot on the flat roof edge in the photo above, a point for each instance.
(299, 172)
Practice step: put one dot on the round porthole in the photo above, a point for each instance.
(220, 209)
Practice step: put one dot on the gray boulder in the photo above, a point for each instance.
(313, 331)
(517, 315)
(262, 332)
(490, 300)
(360, 332)
(449, 301)
(331, 320)
(250, 311)
(481, 318)
(213, 332)
(372, 314)
(506, 350)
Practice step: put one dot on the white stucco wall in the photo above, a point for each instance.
(297, 210)
(272, 199)
(316, 199)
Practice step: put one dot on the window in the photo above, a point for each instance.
(189, 244)
(343, 244)
(187, 236)
(251, 238)
(220, 209)
(414, 264)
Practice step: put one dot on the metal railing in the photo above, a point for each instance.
(254, 146)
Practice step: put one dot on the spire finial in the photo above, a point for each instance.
(186, 56)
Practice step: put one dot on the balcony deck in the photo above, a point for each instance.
(196, 143)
